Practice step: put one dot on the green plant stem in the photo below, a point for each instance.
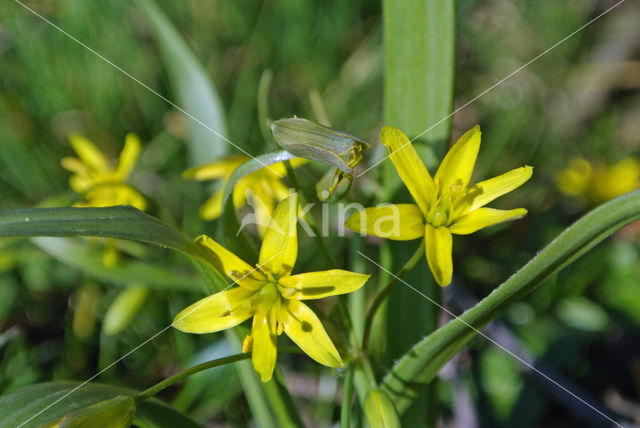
(153, 390)
(363, 378)
(347, 397)
(384, 293)
(356, 300)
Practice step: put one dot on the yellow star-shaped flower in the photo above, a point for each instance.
(265, 186)
(101, 184)
(445, 204)
(271, 295)
(595, 183)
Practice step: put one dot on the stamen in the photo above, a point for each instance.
(288, 292)
(247, 344)
(234, 274)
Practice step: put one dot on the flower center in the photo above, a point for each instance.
(269, 292)
(442, 211)
(272, 291)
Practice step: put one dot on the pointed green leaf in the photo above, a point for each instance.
(117, 412)
(46, 403)
(121, 222)
(419, 45)
(193, 88)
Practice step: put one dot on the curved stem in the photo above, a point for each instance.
(384, 293)
(347, 398)
(153, 390)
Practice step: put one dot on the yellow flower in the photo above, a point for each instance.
(100, 184)
(271, 295)
(446, 204)
(265, 186)
(596, 184)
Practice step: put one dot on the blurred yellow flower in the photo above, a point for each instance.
(271, 295)
(95, 178)
(597, 183)
(264, 187)
(101, 184)
(445, 205)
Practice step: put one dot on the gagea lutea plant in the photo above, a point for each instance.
(272, 300)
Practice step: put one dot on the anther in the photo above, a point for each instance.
(288, 292)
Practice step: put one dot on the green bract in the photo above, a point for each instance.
(310, 140)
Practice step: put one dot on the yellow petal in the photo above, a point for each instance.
(80, 183)
(128, 157)
(135, 199)
(486, 191)
(211, 171)
(277, 169)
(457, 166)
(621, 178)
(110, 194)
(217, 312)
(240, 191)
(127, 195)
(439, 245)
(212, 208)
(228, 263)
(111, 254)
(75, 166)
(263, 208)
(277, 188)
(306, 330)
(280, 245)
(89, 154)
(400, 222)
(316, 285)
(575, 179)
(264, 345)
(296, 162)
(484, 217)
(409, 166)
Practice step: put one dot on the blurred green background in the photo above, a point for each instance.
(581, 99)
